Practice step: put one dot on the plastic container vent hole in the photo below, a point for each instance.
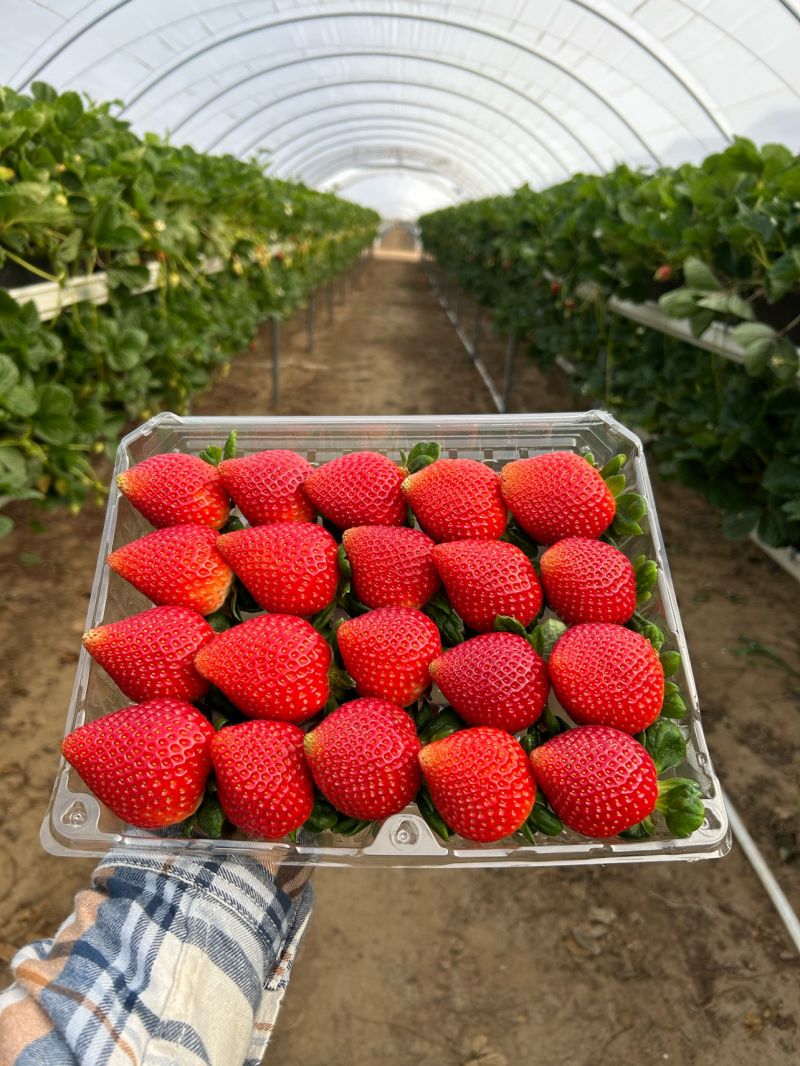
(75, 815)
(405, 835)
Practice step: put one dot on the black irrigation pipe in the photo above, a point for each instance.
(500, 397)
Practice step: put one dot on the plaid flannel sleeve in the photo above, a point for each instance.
(170, 963)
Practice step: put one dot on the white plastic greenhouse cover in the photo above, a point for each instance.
(408, 104)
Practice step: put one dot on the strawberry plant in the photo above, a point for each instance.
(717, 241)
(81, 192)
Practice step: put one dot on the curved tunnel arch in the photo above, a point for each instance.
(150, 84)
(365, 123)
(621, 24)
(427, 86)
(383, 102)
(417, 159)
(341, 178)
(441, 133)
(388, 137)
(241, 120)
(447, 157)
(342, 159)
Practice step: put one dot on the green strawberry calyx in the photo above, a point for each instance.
(450, 625)
(214, 455)
(430, 814)
(421, 455)
(542, 637)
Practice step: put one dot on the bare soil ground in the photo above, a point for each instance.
(674, 963)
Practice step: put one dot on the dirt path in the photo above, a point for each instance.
(632, 966)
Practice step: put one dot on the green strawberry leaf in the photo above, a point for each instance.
(546, 635)
(550, 725)
(212, 454)
(542, 820)
(344, 563)
(504, 623)
(431, 815)
(670, 661)
(219, 621)
(233, 525)
(640, 831)
(674, 706)
(448, 622)
(322, 621)
(681, 803)
(348, 827)
(229, 447)
(514, 535)
(527, 832)
(614, 466)
(665, 743)
(218, 720)
(441, 725)
(421, 455)
(323, 816)
(616, 483)
(647, 629)
(207, 822)
(646, 571)
(699, 276)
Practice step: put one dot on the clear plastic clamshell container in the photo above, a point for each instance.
(77, 824)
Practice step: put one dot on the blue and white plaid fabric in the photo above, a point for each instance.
(163, 963)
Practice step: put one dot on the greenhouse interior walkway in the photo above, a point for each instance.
(396, 974)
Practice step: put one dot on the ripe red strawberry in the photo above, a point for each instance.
(264, 784)
(598, 780)
(363, 758)
(605, 674)
(391, 566)
(557, 495)
(588, 580)
(495, 679)
(175, 490)
(272, 666)
(148, 763)
(457, 499)
(288, 567)
(480, 782)
(485, 578)
(387, 652)
(268, 486)
(151, 654)
(179, 567)
(359, 489)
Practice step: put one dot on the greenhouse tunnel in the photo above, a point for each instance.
(539, 90)
(431, 365)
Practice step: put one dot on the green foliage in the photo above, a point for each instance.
(724, 238)
(80, 192)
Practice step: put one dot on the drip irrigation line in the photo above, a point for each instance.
(768, 881)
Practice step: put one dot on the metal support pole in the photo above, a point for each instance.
(276, 362)
(329, 301)
(508, 377)
(310, 321)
